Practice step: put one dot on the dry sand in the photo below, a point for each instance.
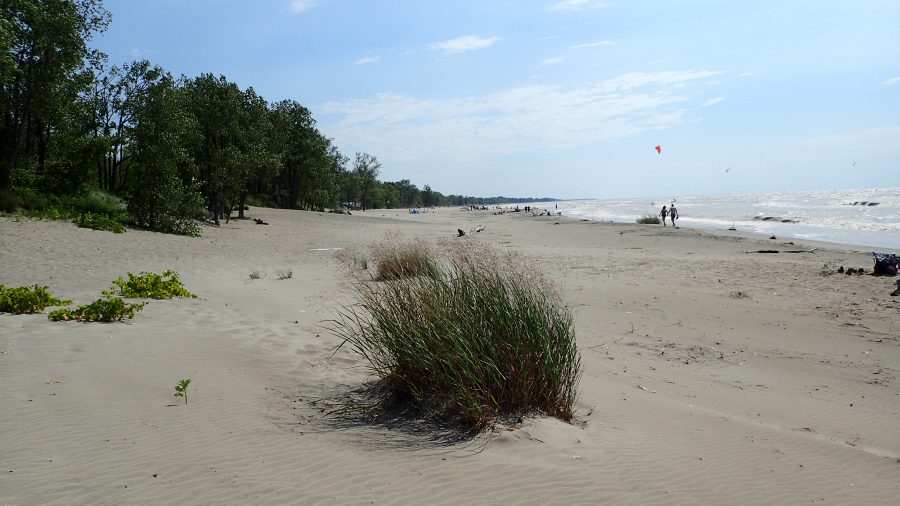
(690, 394)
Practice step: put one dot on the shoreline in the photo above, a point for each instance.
(707, 371)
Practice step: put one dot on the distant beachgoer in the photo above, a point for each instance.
(673, 213)
(662, 214)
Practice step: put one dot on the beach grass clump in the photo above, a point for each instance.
(28, 299)
(99, 222)
(286, 273)
(395, 260)
(109, 309)
(739, 294)
(148, 285)
(476, 341)
(648, 219)
(257, 274)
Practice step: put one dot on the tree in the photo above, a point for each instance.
(217, 108)
(44, 69)
(366, 168)
(163, 193)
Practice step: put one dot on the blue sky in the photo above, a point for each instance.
(562, 98)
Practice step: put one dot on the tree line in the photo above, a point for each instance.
(173, 149)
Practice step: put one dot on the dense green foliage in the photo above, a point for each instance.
(176, 150)
(148, 285)
(27, 299)
(110, 309)
(99, 222)
(648, 220)
(479, 341)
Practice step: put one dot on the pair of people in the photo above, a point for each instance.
(671, 212)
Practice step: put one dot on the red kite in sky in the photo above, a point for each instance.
(658, 149)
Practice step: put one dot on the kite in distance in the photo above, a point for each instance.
(658, 149)
(728, 170)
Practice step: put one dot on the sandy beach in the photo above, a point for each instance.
(713, 374)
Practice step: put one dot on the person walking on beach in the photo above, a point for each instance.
(673, 213)
(662, 214)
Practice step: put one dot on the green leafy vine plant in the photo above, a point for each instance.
(148, 285)
(110, 309)
(28, 299)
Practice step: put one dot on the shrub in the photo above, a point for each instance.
(477, 340)
(25, 299)
(99, 222)
(110, 309)
(98, 202)
(286, 273)
(648, 219)
(9, 201)
(148, 285)
(739, 295)
(396, 261)
(257, 274)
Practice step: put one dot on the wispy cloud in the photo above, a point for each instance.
(599, 43)
(141, 54)
(407, 129)
(464, 43)
(577, 5)
(298, 6)
(893, 80)
(553, 61)
(713, 101)
(367, 60)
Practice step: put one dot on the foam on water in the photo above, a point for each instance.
(825, 215)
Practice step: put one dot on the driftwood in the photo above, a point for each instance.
(785, 251)
(259, 221)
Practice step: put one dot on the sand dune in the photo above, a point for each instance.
(711, 375)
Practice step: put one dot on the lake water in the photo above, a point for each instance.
(827, 215)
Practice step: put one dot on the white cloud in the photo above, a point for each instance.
(464, 43)
(298, 6)
(577, 5)
(599, 43)
(750, 74)
(516, 121)
(713, 101)
(893, 80)
(553, 61)
(141, 54)
(367, 60)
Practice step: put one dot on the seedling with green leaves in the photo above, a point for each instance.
(181, 389)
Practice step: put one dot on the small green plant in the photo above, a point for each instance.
(286, 273)
(739, 295)
(648, 219)
(27, 299)
(99, 222)
(148, 285)
(110, 309)
(181, 389)
(257, 274)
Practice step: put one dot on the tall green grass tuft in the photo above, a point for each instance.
(647, 219)
(397, 260)
(478, 340)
